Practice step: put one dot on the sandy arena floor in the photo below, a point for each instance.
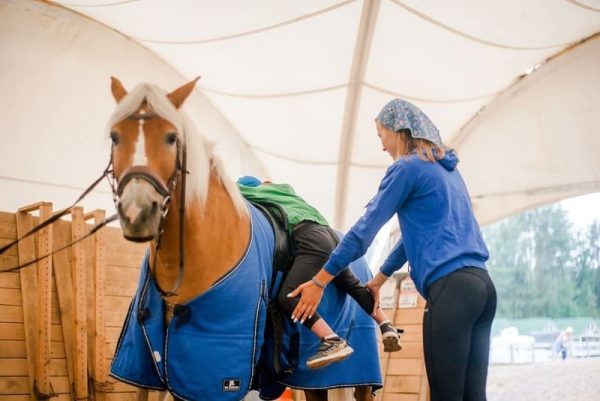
(569, 380)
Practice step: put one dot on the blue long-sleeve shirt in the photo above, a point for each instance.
(439, 231)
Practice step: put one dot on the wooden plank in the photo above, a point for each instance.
(16, 367)
(44, 271)
(409, 316)
(97, 313)
(412, 333)
(8, 262)
(78, 271)
(28, 277)
(13, 367)
(12, 331)
(121, 281)
(12, 349)
(57, 335)
(10, 296)
(123, 259)
(8, 230)
(112, 333)
(132, 396)
(402, 384)
(400, 397)
(118, 243)
(11, 314)
(410, 349)
(13, 250)
(59, 397)
(20, 385)
(61, 385)
(64, 286)
(15, 386)
(424, 392)
(8, 218)
(57, 350)
(118, 307)
(406, 367)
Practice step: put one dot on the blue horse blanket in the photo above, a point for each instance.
(211, 348)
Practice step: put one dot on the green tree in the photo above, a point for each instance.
(587, 277)
(540, 269)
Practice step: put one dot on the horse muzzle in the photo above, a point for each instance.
(142, 203)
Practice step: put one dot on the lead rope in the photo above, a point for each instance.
(107, 172)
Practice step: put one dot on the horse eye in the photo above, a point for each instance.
(171, 138)
(114, 138)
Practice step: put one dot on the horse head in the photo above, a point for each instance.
(148, 156)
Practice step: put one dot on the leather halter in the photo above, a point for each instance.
(166, 190)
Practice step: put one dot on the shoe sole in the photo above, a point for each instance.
(391, 343)
(327, 360)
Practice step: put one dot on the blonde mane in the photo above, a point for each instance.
(200, 156)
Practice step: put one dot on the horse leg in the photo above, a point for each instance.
(363, 393)
(315, 395)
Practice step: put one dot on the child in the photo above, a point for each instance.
(313, 241)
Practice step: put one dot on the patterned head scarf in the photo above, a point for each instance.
(399, 114)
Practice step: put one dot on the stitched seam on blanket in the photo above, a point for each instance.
(256, 317)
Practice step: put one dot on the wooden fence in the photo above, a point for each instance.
(60, 318)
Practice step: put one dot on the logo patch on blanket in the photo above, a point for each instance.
(230, 385)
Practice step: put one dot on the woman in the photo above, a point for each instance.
(442, 243)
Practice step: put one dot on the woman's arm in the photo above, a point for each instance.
(393, 191)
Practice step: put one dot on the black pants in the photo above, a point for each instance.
(312, 245)
(456, 334)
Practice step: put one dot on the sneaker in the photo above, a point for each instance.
(331, 350)
(390, 337)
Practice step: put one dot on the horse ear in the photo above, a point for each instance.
(117, 89)
(178, 96)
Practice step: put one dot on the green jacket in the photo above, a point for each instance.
(296, 208)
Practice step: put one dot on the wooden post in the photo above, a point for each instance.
(97, 330)
(405, 378)
(64, 285)
(37, 301)
(80, 365)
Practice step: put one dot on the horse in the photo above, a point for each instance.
(171, 191)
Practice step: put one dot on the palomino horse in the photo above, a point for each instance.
(187, 323)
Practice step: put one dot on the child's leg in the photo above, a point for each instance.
(301, 271)
(312, 246)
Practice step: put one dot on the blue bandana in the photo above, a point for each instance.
(399, 114)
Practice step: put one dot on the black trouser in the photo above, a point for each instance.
(456, 334)
(312, 245)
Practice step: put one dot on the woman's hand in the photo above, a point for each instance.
(310, 297)
(374, 285)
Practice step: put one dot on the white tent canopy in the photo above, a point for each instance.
(289, 91)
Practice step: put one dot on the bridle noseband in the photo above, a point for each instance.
(165, 190)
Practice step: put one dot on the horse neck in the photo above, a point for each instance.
(215, 239)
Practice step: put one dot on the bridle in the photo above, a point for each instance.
(166, 190)
(117, 186)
